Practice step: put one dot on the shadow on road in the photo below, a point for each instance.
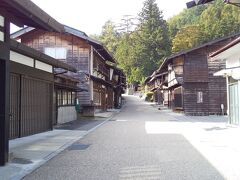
(82, 125)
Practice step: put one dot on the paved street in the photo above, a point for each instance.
(142, 142)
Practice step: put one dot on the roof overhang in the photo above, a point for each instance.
(25, 12)
(233, 72)
(161, 74)
(197, 2)
(184, 52)
(227, 51)
(102, 81)
(147, 80)
(223, 72)
(153, 89)
(200, 2)
(98, 46)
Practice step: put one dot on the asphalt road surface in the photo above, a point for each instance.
(125, 148)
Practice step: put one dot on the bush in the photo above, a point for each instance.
(149, 97)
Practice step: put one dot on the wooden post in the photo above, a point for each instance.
(4, 92)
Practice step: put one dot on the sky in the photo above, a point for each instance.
(90, 15)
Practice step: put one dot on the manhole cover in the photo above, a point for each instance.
(78, 147)
(21, 161)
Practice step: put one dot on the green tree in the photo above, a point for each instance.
(124, 55)
(152, 42)
(214, 21)
(220, 20)
(185, 18)
(187, 38)
(109, 37)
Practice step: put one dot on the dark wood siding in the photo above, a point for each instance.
(110, 100)
(36, 106)
(191, 107)
(217, 88)
(99, 95)
(14, 106)
(78, 55)
(178, 98)
(196, 67)
(31, 102)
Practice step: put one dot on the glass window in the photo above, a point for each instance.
(59, 98)
(56, 52)
(64, 98)
(69, 98)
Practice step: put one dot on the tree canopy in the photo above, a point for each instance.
(141, 51)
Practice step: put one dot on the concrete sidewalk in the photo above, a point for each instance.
(212, 136)
(29, 153)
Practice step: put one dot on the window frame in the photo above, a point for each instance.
(54, 52)
(65, 98)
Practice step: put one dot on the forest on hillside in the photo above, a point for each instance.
(141, 51)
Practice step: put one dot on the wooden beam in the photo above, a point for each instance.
(4, 96)
(11, 18)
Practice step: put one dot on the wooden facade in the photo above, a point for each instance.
(191, 86)
(64, 99)
(118, 81)
(88, 56)
(23, 109)
(31, 90)
(31, 105)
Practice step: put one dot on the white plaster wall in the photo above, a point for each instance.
(43, 66)
(1, 21)
(66, 114)
(19, 58)
(1, 36)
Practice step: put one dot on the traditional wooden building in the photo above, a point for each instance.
(31, 90)
(157, 83)
(64, 98)
(26, 75)
(89, 56)
(191, 86)
(230, 54)
(118, 81)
